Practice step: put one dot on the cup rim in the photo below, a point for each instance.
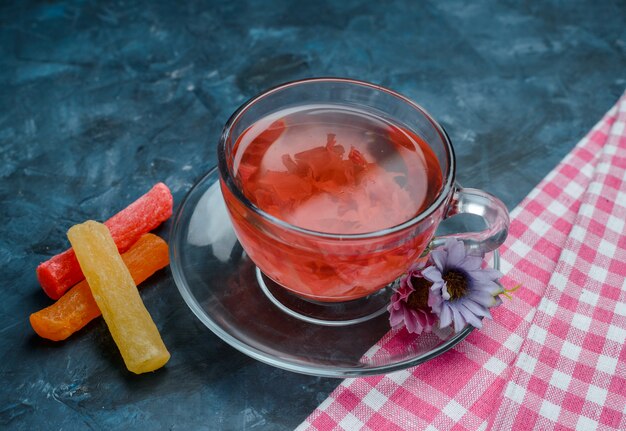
(227, 178)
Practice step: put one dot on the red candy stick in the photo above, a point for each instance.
(59, 273)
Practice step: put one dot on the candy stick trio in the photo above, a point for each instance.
(105, 282)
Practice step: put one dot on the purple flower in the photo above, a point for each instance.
(462, 291)
(409, 303)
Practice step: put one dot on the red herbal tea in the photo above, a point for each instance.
(336, 170)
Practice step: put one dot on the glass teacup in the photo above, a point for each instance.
(331, 264)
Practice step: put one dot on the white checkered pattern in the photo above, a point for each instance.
(554, 356)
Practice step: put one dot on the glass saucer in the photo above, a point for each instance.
(220, 284)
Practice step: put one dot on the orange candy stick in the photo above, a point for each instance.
(77, 307)
(115, 292)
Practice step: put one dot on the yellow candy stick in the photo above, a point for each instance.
(114, 290)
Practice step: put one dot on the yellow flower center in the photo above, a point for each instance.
(456, 283)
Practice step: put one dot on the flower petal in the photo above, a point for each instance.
(416, 267)
(482, 298)
(435, 301)
(402, 292)
(490, 287)
(470, 317)
(419, 321)
(456, 253)
(457, 318)
(477, 309)
(445, 318)
(485, 275)
(425, 322)
(439, 258)
(396, 319)
(444, 292)
(430, 320)
(432, 274)
(472, 263)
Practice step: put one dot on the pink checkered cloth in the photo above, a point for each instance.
(554, 356)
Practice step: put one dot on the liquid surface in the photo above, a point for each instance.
(335, 169)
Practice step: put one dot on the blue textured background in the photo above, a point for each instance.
(100, 100)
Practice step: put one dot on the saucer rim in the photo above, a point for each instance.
(293, 366)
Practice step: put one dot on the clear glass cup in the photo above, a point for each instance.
(337, 267)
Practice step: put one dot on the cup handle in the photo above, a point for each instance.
(485, 205)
